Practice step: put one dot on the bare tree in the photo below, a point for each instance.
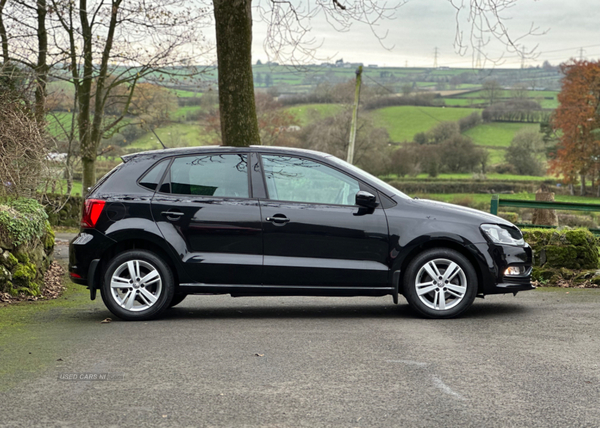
(98, 46)
(22, 146)
(120, 43)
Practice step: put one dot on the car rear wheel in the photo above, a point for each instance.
(137, 285)
(440, 283)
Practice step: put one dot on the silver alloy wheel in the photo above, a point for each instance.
(441, 284)
(136, 285)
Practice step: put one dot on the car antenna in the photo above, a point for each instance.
(158, 138)
(152, 130)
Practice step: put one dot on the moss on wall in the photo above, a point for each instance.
(571, 249)
(63, 210)
(26, 246)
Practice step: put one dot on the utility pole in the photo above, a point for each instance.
(435, 58)
(478, 62)
(581, 51)
(353, 125)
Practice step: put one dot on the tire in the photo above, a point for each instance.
(137, 285)
(177, 299)
(432, 292)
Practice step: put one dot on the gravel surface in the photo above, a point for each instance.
(526, 361)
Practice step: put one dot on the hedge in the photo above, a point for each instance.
(470, 186)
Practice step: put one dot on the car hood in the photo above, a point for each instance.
(458, 213)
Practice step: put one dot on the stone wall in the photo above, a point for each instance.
(63, 210)
(26, 246)
(564, 257)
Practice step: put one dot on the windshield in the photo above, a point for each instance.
(389, 190)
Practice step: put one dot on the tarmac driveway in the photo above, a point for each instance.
(527, 361)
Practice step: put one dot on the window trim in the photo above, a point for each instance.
(168, 173)
(162, 177)
(362, 185)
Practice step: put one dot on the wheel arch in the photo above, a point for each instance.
(134, 244)
(443, 243)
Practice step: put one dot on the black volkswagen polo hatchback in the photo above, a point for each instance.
(277, 221)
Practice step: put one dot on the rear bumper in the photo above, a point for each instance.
(85, 251)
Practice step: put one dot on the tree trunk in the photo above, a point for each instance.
(84, 94)
(233, 24)
(544, 217)
(3, 35)
(582, 188)
(41, 68)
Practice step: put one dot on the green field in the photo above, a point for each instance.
(306, 113)
(547, 99)
(173, 135)
(186, 94)
(59, 122)
(498, 134)
(404, 122)
(496, 156)
(181, 112)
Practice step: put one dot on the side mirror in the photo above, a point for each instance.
(366, 199)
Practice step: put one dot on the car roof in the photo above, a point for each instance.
(224, 149)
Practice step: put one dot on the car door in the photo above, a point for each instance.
(205, 210)
(313, 233)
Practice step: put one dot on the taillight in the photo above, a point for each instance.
(91, 212)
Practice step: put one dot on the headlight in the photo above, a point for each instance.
(503, 235)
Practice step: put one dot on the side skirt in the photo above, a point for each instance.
(238, 290)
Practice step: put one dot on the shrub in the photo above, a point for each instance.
(443, 131)
(526, 153)
(505, 168)
(460, 154)
(570, 249)
(21, 220)
(26, 242)
(469, 122)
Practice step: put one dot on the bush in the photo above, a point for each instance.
(526, 153)
(517, 110)
(505, 168)
(460, 154)
(469, 122)
(26, 243)
(570, 249)
(21, 220)
(404, 161)
(443, 131)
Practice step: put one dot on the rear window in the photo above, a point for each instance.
(151, 178)
(210, 175)
(103, 179)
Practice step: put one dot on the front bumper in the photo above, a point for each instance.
(497, 258)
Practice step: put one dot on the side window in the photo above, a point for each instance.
(151, 179)
(210, 175)
(302, 180)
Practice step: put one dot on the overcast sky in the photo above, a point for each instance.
(421, 26)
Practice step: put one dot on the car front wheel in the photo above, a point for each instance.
(137, 285)
(440, 283)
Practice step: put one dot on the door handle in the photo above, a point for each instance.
(176, 214)
(278, 218)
